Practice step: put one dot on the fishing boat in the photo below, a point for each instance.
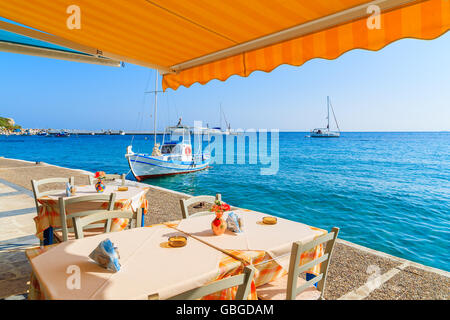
(174, 156)
(326, 132)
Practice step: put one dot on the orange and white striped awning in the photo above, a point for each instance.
(200, 40)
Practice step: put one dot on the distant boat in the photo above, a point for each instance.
(326, 132)
(62, 134)
(219, 130)
(122, 133)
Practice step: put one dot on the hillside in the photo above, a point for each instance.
(8, 124)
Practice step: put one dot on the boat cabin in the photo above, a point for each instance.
(177, 151)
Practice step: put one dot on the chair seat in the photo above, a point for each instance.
(276, 290)
(71, 235)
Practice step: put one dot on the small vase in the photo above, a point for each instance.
(218, 226)
(100, 186)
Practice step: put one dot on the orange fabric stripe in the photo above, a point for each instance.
(424, 20)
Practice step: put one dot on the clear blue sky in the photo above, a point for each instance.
(403, 87)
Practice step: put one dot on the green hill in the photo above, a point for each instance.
(6, 123)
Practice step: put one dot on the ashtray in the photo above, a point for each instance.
(270, 220)
(177, 241)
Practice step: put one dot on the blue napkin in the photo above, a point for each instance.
(234, 222)
(106, 255)
(68, 189)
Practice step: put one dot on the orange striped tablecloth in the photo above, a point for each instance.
(48, 215)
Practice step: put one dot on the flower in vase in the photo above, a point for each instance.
(100, 175)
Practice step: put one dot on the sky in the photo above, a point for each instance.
(403, 87)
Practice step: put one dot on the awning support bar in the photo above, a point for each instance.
(75, 46)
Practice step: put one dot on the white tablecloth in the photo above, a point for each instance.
(149, 266)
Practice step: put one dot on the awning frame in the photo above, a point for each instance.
(74, 46)
(56, 54)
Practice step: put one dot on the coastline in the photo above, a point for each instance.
(350, 275)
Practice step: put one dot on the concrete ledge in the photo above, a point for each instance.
(400, 260)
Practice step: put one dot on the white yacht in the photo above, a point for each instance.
(326, 132)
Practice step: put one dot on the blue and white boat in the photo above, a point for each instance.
(172, 157)
(62, 134)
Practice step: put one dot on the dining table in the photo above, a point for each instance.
(150, 266)
(48, 217)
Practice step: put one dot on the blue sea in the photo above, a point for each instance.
(386, 191)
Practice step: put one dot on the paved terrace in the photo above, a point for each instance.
(351, 273)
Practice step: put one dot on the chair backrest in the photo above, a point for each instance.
(294, 269)
(185, 203)
(37, 193)
(109, 177)
(65, 202)
(243, 280)
(80, 222)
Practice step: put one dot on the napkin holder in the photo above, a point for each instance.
(106, 255)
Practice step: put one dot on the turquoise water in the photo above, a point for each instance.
(386, 191)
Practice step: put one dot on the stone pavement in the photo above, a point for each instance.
(17, 209)
(355, 272)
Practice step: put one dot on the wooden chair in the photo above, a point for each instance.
(109, 177)
(291, 287)
(243, 280)
(38, 194)
(185, 203)
(81, 222)
(35, 184)
(64, 203)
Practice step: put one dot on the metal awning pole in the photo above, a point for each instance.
(156, 98)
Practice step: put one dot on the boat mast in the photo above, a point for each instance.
(154, 118)
(220, 116)
(328, 115)
(335, 120)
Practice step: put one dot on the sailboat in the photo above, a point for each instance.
(174, 156)
(326, 132)
(218, 130)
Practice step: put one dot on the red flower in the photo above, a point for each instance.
(99, 175)
(225, 207)
(217, 222)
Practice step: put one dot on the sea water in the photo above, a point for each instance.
(386, 191)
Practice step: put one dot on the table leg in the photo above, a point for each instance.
(143, 217)
(48, 236)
